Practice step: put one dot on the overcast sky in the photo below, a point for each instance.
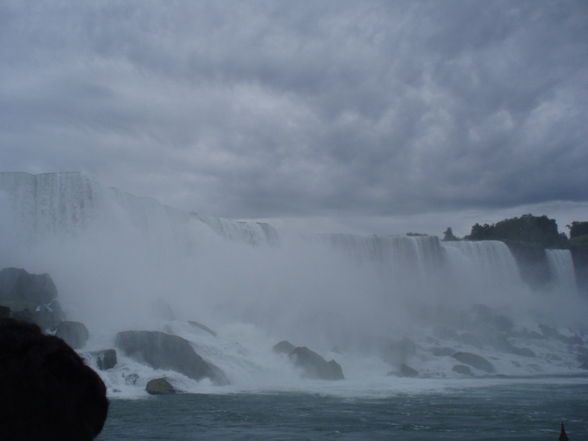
(360, 113)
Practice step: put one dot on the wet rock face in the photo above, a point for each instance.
(475, 361)
(166, 351)
(30, 297)
(315, 366)
(105, 359)
(74, 334)
(159, 386)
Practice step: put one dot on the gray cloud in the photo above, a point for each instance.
(322, 108)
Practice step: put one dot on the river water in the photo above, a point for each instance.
(508, 409)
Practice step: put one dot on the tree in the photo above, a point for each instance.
(448, 235)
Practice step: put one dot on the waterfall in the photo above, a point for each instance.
(562, 271)
(66, 203)
(483, 268)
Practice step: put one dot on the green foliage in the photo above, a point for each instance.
(527, 228)
(449, 236)
(578, 229)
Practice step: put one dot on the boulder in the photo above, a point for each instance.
(166, 351)
(74, 334)
(202, 327)
(19, 285)
(463, 370)
(30, 297)
(315, 366)
(284, 347)
(105, 359)
(159, 386)
(475, 361)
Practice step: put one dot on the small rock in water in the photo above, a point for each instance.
(159, 386)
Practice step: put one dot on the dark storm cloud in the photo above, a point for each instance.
(269, 108)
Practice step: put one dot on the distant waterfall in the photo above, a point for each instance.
(483, 266)
(561, 266)
(423, 253)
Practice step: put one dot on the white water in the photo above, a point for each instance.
(113, 256)
(562, 271)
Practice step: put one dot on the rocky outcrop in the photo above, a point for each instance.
(475, 361)
(105, 359)
(159, 386)
(284, 347)
(315, 366)
(74, 334)
(311, 363)
(30, 297)
(166, 351)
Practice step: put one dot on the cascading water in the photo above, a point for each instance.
(112, 255)
(563, 275)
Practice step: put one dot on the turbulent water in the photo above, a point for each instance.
(375, 304)
(523, 409)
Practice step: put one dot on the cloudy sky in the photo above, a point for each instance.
(372, 115)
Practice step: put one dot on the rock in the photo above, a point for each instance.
(407, 371)
(202, 327)
(74, 334)
(159, 386)
(30, 297)
(463, 370)
(105, 359)
(284, 347)
(166, 351)
(19, 285)
(315, 366)
(475, 361)
(4, 312)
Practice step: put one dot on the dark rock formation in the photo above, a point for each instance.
(74, 334)
(463, 370)
(202, 327)
(315, 366)
(166, 351)
(105, 359)
(159, 386)
(475, 361)
(30, 297)
(284, 347)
